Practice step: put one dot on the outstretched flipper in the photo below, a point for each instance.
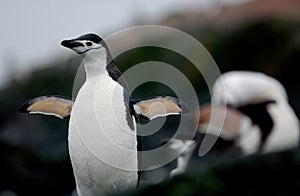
(148, 108)
(49, 105)
(154, 107)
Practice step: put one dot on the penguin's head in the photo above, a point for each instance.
(85, 44)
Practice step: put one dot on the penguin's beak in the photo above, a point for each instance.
(72, 43)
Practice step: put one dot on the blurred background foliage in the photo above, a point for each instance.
(257, 36)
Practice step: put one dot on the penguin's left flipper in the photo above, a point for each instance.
(153, 107)
(48, 105)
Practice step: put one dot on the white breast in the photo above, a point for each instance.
(285, 133)
(103, 147)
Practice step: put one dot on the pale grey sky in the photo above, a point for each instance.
(31, 30)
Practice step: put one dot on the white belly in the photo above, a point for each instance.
(103, 147)
(285, 133)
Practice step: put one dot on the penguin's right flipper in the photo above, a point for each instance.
(48, 105)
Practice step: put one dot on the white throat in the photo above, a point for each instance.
(95, 62)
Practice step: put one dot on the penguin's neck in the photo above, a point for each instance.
(95, 64)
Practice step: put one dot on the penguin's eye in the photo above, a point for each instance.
(89, 43)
